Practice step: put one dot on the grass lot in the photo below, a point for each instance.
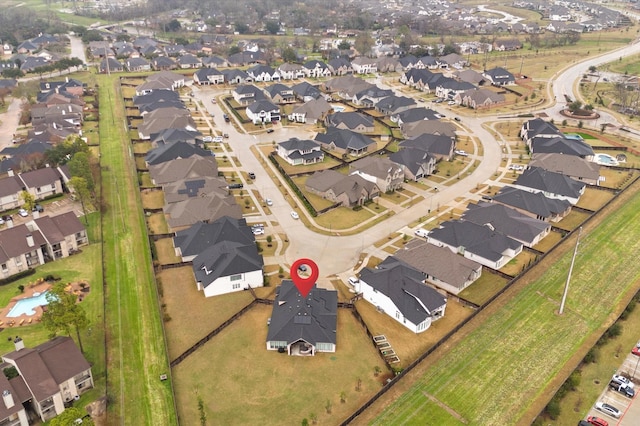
(152, 198)
(524, 333)
(343, 218)
(615, 178)
(241, 382)
(573, 220)
(407, 344)
(594, 199)
(136, 350)
(484, 288)
(192, 314)
(165, 251)
(157, 223)
(516, 265)
(548, 242)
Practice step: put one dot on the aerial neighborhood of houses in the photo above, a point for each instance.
(244, 161)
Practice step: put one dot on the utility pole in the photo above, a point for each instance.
(566, 286)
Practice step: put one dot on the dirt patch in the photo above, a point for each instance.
(98, 411)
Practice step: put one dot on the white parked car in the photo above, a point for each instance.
(353, 281)
(295, 215)
(218, 139)
(608, 409)
(451, 103)
(207, 139)
(23, 213)
(269, 201)
(257, 230)
(622, 380)
(461, 153)
(422, 233)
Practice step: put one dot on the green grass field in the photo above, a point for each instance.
(136, 349)
(524, 344)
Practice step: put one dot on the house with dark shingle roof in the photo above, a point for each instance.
(166, 118)
(480, 243)
(50, 375)
(561, 145)
(236, 76)
(208, 76)
(246, 94)
(529, 231)
(540, 128)
(190, 242)
(300, 151)
(263, 73)
(399, 290)
(499, 77)
(349, 190)
(290, 71)
(442, 268)
(194, 187)
(42, 183)
(353, 121)
(172, 151)
(371, 96)
(394, 104)
(345, 141)
(551, 184)
(263, 111)
(176, 135)
(416, 163)
(188, 60)
(340, 66)
(430, 127)
(575, 167)
(10, 189)
(228, 266)
(280, 93)
(441, 147)
(163, 63)
(303, 325)
(316, 69)
(306, 92)
(413, 115)
(533, 204)
(209, 208)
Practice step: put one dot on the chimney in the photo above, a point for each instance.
(66, 79)
(10, 172)
(30, 241)
(8, 399)
(19, 344)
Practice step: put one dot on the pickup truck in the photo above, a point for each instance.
(622, 388)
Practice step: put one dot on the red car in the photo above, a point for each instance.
(636, 350)
(597, 421)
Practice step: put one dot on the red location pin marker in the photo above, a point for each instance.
(304, 285)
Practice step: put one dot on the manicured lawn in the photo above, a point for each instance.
(165, 251)
(573, 220)
(525, 337)
(516, 265)
(157, 223)
(615, 178)
(241, 382)
(136, 350)
(548, 242)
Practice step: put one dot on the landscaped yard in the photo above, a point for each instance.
(484, 288)
(518, 264)
(548, 242)
(594, 199)
(342, 218)
(152, 198)
(240, 382)
(524, 332)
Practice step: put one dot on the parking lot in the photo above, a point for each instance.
(51, 208)
(630, 408)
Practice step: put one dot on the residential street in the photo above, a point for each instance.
(9, 122)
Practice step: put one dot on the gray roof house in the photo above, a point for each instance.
(371, 96)
(346, 190)
(480, 243)
(499, 76)
(246, 94)
(519, 226)
(300, 151)
(394, 104)
(201, 209)
(174, 151)
(413, 115)
(183, 168)
(442, 268)
(290, 71)
(386, 174)
(551, 184)
(399, 290)
(345, 141)
(353, 121)
(311, 111)
(228, 266)
(263, 111)
(236, 76)
(434, 127)
(575, 167)
(303, 326)
(185, 189)
(306, 92)
(479, 98)
(561, 145)
(194, 240)
(416, 162)
(540, 128)
(280, 93)
(207, 76)
(166, 118)
(441, 147)
(533, 204)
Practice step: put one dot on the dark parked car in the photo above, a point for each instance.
(251, 175)
(235, 186)
(226, 118)
(38, 208)
(270, 130)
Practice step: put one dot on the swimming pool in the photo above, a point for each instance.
(337, 108)
(27, 305)
(606, 159)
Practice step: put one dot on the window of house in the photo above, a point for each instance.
(235, 286)
(4, 268)
(38, 190)
(235, 277)
(18, 261)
